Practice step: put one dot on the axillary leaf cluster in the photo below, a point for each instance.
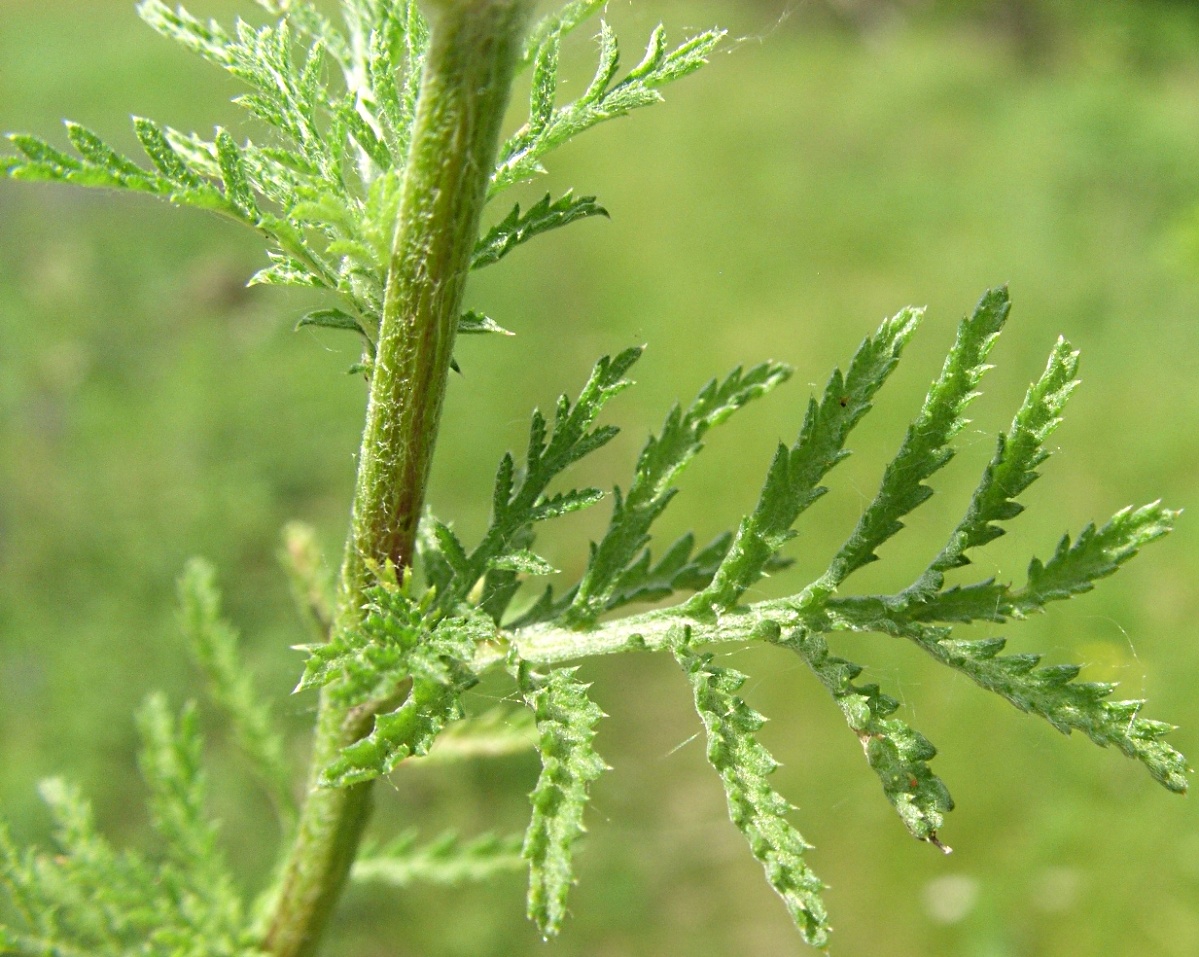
(477, 591)
(337, 103)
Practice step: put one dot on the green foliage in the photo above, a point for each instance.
(402, 641)
(758, 811)
(213, 645)
(1012, 469)
(92, 899)
(792, 483)
(339, 102)
(566, 720)
(926, 447)
(898, 754)
(396, 659)
(615, 574)
(559, 23)
(324, 192)
(418, 651)
(517, 228)
(620, 568)
(605, 98)
(445, 861)
(552, 630)
(519, 501)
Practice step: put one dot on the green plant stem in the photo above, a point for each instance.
(651, 631)
(473, 48)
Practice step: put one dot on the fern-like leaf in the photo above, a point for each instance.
(1095, 554)
(566, 720)
(926, 447)
(519, 501)
(604, 99)
(1012, 469)
(170, 763)
(659, 465)
(399, 641)
(1073, 569)
(517, 227)
(445, 861)
(1050, 692)
(98, 165)
(895, 752)
(339, 105)
(90, 898)
(758, 811)
(373, 660)
(213, 644)
(793, 482)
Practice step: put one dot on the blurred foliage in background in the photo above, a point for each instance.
(846, 158)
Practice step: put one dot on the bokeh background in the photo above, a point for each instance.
(839, 160)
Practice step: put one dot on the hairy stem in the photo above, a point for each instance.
(650, 631)
(467, 77)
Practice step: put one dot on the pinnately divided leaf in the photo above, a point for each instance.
(566, 720)
(517, 227)
(604, 99)
(793, 482)
(335, 105)
(195, 873)
(90, 898)
(519, 500)
(401, 642)
(1052, 693)
(371, 661)
(99, 166)
(214, 646)
(445, 861)
(1073, 569)
(926, 447)
(758, 811)
(1012, 469)
(1095, 554)
(170, 762)
(895, 752)
(1049, 692)
(661, 461)
(323, 189)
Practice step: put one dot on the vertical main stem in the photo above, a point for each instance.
(469, 67)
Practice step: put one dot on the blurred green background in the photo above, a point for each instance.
(841, 159)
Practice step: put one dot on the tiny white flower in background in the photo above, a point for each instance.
(950, 899)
